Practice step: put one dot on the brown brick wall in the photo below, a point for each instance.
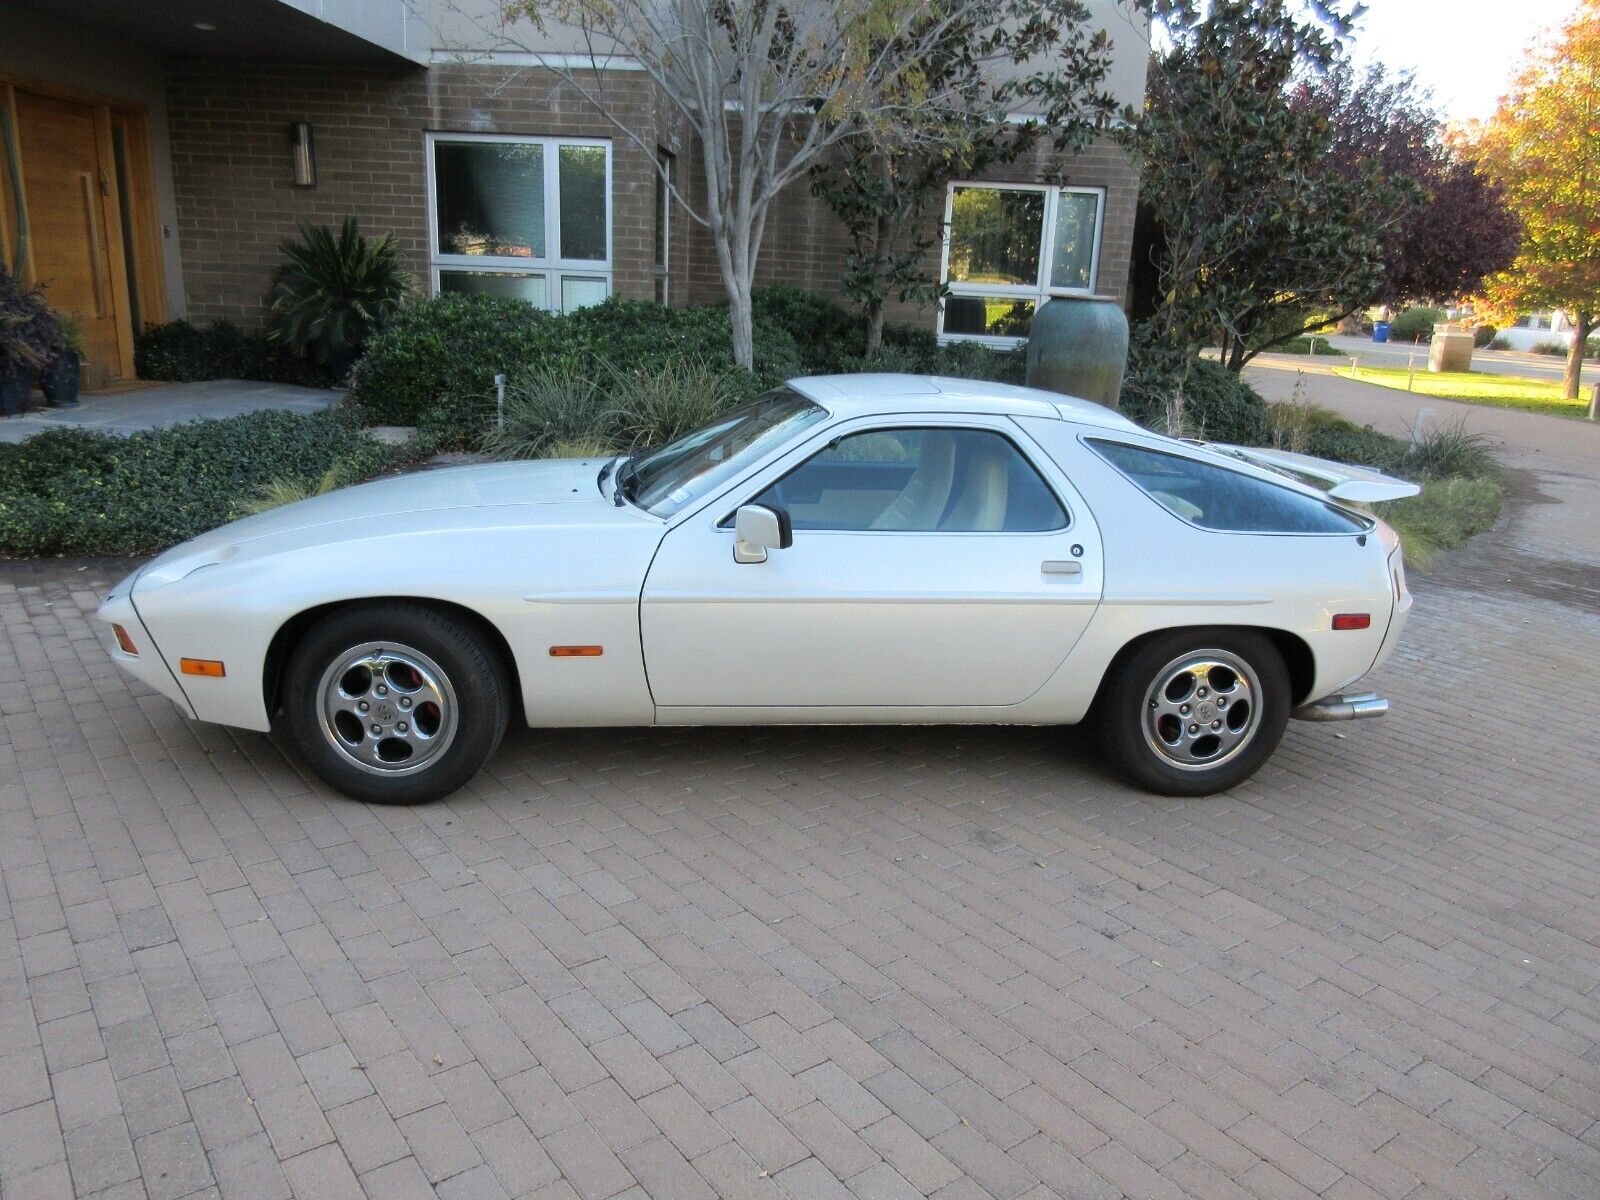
(230, 120)
(235, 202)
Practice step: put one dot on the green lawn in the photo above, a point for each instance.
(1476, 387)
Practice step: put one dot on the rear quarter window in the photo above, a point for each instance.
(1220, 499)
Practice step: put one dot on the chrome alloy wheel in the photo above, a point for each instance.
(387, 708)
(1203, 709)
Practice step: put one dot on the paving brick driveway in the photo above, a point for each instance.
(816, 963)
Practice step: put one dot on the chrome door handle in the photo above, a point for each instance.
(1064, 567)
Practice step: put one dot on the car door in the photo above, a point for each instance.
(935, 563)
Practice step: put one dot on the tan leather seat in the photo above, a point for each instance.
(981, 507)
(926, 493)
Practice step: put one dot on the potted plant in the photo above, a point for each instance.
(59, 379)
(29, 339)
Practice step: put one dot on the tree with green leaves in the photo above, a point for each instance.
(999, 58)
(1256, 231)
(1543, 148)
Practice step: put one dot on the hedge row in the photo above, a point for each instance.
(179, 352)
(72, 491)
(434, 365)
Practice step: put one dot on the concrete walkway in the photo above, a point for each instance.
(1556, 458)
(168, 404)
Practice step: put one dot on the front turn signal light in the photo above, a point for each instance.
(124, 642)
(208, 667)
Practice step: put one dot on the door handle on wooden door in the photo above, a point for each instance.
(97, 249)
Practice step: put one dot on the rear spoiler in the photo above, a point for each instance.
(1358, 485)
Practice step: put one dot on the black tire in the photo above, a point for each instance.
(1121, 712)
(474, 679)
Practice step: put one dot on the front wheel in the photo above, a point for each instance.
(395, 703)
(1197, 711)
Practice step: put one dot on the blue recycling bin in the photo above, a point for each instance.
(1380, 331)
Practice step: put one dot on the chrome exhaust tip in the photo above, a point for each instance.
(1355, 707)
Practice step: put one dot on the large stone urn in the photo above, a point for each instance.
(1079, 346)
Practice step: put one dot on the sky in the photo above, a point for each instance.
(1466, 51)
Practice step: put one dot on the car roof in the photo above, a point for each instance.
(866, 394)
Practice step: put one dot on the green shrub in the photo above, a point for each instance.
(434, 364)
(1451, 449)
(69, 491)
(1217, 404)
(1483, 336)
(1553, 349)
(1415, 324)
(636, 334)
(957, 360)
(548, 408)
(444, 352)
(333, 291)
(181, 353)
(1500, 343)
(654, 407)
(1316, 344)
(827, 335)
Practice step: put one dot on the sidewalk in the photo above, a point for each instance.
(168, 404)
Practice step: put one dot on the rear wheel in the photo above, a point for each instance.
(1195, 711)
(395, 703)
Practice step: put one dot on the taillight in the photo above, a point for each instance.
(124, 642)
(1352, 621)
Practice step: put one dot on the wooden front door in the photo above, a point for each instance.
(75, 248)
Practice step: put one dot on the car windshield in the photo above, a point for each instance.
(664, 481)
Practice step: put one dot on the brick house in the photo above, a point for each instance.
(168, 146)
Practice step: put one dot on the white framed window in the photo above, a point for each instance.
(528, 217)
(1009, 247)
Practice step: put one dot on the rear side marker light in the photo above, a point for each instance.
(208, 667)
(124, 642)
(1352, 621)
(576, 651)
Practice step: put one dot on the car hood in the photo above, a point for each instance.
(548, 490)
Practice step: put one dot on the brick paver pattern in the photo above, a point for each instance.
(812, 963)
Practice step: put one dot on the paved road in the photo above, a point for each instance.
(819, 963)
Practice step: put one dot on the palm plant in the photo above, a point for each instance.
(334, 291)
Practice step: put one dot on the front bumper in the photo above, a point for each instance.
(147, 665)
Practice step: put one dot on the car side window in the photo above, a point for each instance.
(1223, 500)
(918, 481)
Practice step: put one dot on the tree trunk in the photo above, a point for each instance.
(741, 316)
(874, 325)
(1581, 325)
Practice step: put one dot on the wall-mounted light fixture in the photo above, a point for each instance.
(303, 154)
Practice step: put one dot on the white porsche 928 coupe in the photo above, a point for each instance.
(865, 548)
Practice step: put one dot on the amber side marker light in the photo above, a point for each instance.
(209, 667)
(576, 651)
(1352, 621)
(124, 642)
